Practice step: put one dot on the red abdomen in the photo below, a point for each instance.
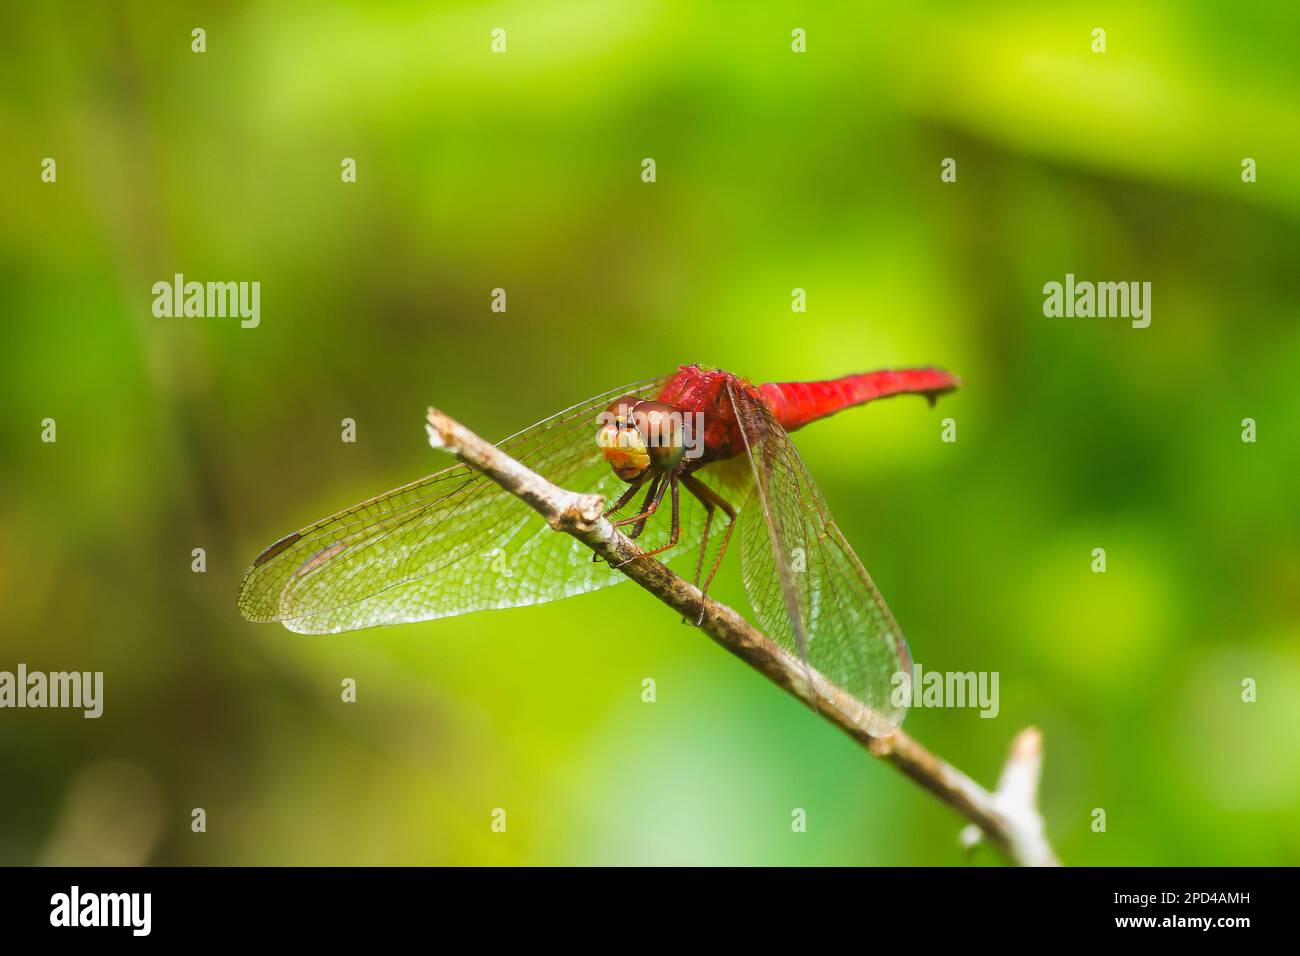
(795, 404)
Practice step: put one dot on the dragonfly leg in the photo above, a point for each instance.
(654, 494)
(647, 507)
(622, 501)
(624, 498)
(711, 500)
(676, 533)
(709, 509)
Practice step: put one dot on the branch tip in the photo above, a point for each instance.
(439, 427)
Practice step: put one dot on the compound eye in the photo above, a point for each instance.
(660, 427)
(619, 440)
(620, 412)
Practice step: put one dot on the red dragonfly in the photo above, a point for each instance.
(455, 542)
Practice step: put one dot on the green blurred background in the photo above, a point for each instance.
(775, 170)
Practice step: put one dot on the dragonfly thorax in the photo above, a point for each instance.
(638, 436)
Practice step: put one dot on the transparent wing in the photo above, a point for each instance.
(807, 587)
(447, 544)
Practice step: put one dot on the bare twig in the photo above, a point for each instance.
(1008, 818)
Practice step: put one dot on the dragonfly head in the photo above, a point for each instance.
(637, 436)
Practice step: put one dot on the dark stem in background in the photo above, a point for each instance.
(1008, 816)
